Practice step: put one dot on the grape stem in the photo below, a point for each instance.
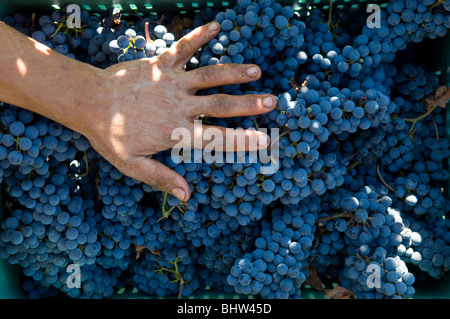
(166, 213)
(330, 14)
(340, 215)
(436, 130)
(176, 273)
(8, 206)
(274, 161)
(147, 34)
(417, 119)
(382, 179)
(88, 167)
(66, 28)
(282, 135)
(436, 4)
(33, 22)
(353, 165)
(256, 125)
(60, 25)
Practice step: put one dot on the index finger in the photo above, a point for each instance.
(185, 48)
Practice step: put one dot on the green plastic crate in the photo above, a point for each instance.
(10, 275)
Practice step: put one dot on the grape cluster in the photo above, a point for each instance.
(258, 32)
(414, 82)
(277, 267)
(131, 45)
(395, 281)
(426, 246)
(354, 197)
(101, 42)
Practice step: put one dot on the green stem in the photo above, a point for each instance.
(33, 22)
(340, 215)
(436, 4)
(256, 125)
(278, 138)
(417, 119)
(353, 165)
(61, 24)
(176, 273)
(165, 213)
(283, 134)
(180, 208)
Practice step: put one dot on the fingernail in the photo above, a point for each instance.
(214, 26)
(263, 140)
(252, 72)
(179, 193)
(268, 101)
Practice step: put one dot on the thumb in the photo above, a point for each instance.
(162, 178)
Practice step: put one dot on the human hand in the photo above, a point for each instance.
(139, 103)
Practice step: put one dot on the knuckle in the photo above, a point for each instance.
(222, 104)
(126, 166)
(156, 184)
(164, 61)
(161, 182)
(238, 71)
(158, 180)
(150, 175)
(250, 102)
(182, 46)
(207, 75)
(243, 103)
(255, 101)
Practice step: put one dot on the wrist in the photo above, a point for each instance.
(78, 104)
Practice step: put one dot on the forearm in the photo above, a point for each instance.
(41, 80)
